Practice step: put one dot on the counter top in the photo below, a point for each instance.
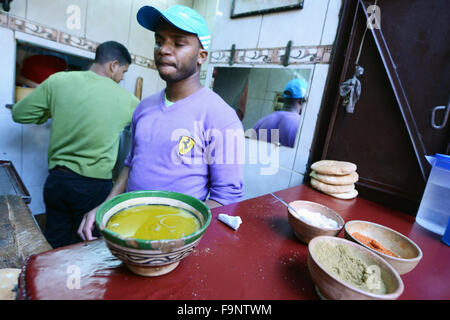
(262, 260)
(20, 235)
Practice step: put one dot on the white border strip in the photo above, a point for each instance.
(49, 44)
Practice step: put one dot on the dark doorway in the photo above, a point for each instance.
(406, 75)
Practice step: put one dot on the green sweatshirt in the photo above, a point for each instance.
(88, 113)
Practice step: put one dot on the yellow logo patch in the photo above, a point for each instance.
(185, 145)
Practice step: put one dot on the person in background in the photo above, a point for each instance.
(89, 111)
(287, 120)
(179, 135)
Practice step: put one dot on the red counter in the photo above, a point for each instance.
(261, 260)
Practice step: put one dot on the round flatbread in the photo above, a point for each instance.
(333, 167)
(335, 180)
(346, 195)
(328, 188)
(9, 278)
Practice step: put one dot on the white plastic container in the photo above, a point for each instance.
(434, 210)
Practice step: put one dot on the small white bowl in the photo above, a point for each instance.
(305, 231)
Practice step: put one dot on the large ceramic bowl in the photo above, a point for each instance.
(409, 253)
(151, 257)
(330, 286)
(305, 231)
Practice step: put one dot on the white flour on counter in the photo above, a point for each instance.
(317, 219)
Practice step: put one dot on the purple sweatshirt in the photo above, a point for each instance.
(286, 122)
(196, 147)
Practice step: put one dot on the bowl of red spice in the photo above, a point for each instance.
(398, 250)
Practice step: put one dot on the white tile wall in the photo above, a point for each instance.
(35, 141)
(287, 156)
(201, 6)
(208, 9)
(331, 22)
(211, 7)
(108, 20)
(296, 179)
(188, 3)
(55, 14)
(252, 112)
(18, 8)
(257, 82)
(243, 33)
(10, 132)
(303, 27)
(11, 141)
(256, 184)
(150, 84)
(267, 167)
(7, 67)
(309, 119)
(36, 205)
(142, 41)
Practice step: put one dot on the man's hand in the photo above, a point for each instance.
(87, 225)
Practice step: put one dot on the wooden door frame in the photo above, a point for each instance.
(327, 111)
(347, 36)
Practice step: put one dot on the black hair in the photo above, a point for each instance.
(292, 100)
(289, 98)
(112, 50)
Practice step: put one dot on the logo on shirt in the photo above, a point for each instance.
(185, 145)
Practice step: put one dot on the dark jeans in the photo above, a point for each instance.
(68, 196)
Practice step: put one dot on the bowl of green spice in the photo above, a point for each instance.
(344, 270)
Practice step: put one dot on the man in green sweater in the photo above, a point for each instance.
(88, 110)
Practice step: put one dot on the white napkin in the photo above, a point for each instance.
(231, 221)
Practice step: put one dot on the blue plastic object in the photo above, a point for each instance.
(446, 237)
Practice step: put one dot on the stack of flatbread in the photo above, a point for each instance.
(335, 178)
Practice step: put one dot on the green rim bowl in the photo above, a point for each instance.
(151, 257)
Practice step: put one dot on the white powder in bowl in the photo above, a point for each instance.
(317, 219)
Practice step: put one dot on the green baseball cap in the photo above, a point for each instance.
(181, 17)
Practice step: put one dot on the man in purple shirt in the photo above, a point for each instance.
(184, 138)
(284, 123)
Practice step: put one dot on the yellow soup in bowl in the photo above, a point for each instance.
(153, 222)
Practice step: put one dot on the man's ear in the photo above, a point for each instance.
(202, 55)
(113, 65)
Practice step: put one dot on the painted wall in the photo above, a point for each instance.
(270, 168)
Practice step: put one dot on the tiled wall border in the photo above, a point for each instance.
(52, 34)
(298, 55)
